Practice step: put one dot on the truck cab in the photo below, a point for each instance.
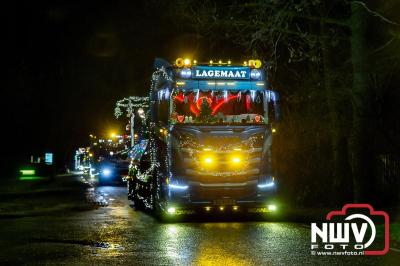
(209, 147)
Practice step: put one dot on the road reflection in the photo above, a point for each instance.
(222, 243)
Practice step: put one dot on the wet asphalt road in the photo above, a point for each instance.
(117, 234)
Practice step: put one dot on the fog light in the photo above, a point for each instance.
(272, 208)
(171, 210)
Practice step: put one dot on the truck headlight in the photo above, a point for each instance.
(186, 73)
(106, 172)
(255, 74)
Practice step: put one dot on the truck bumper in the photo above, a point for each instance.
(194, 197)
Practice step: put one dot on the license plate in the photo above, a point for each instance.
(224, 202)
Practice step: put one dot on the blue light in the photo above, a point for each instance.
(186, 73)
(255, 74)
(106, 172)
(177, 187)
(265, 185)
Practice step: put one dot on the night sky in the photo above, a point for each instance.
(75, 59)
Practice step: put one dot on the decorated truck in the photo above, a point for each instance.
(208, 150)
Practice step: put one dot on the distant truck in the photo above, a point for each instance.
(209, 143)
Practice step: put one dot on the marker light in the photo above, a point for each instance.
(273, 130)
(171, 210)
(194, 62)
(272, 207)
(208, 208)
(257, 63)
(255, 74)
(235, 208)
(211, 62)
(221, 208)
(186, 73)
(187, 62)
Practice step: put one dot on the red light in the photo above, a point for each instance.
(257, 118)
(215, 109)
(193, 109)
(179, 97)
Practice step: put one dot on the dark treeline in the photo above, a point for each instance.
(336, 65)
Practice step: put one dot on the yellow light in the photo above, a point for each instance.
(211, 83)
(208, 208)
(221, 208)
(220, 62)
(208, 160)
(194, 62)
(231, 83)
(113, 135)
(207, 149)
(161, 130)
(251, 63)
(260, 83)
(135, 136)
(90, 154)
(237, 149)
(211, 62)
(186, 62)
(273, 130)
(235, 208)
(236, 160)
(179, 62)
(221, 83)
(257, 63)
(272, 207)
(180, 83)
(229, 62)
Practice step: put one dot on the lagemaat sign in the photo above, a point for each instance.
(357, 229)
(209, 72)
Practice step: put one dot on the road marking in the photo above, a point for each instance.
(395, 249)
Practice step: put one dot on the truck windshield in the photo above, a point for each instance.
(218, 107)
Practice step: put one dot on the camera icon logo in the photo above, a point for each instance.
(351, 231)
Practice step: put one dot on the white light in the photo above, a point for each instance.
(270, 184)
(272, 207)
(186, 73)
(171, 210)
(106, 172)
(255, 74)
(253, 95)
(111, 153)
(180, 187)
